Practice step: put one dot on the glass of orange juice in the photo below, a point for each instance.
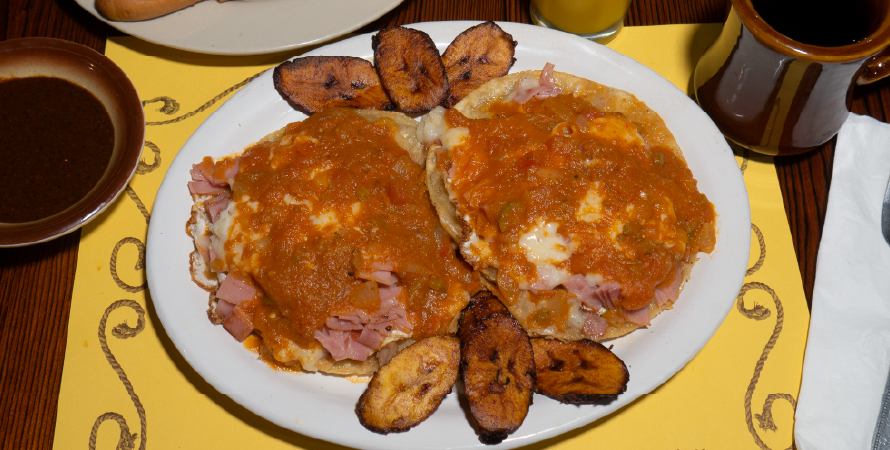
(598, 20)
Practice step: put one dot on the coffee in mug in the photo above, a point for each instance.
(780, 76)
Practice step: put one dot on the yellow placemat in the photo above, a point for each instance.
(124, 384)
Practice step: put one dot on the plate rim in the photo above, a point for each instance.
(148, 33)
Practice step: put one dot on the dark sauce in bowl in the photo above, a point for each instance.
(56, 141)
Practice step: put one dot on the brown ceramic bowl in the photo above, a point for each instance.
(84, 67)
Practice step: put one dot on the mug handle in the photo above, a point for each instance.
(876, 68)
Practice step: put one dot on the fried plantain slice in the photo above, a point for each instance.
(497, 367)
(410, 69)
(315, 83)
(579, 372)
(410, 387)
(479, 54)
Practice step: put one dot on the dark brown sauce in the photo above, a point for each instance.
(826, 23)
(56, 140)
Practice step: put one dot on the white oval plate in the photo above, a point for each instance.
(323, 406)
(252, 27)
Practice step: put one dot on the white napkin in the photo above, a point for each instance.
(847, 359)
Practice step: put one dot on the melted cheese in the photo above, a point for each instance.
(324, 219)
(615, 128)
(543, 244)
(545, 247)
(221, 230)
(433, 127)
(454, 137)
(549, 276)
(476, 248)
(316, 171)
(591, 208)
(356, 208)
(290, 351)
(594, 279)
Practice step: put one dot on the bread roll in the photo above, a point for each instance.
(136, 10)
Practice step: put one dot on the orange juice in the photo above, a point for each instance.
(584, 17)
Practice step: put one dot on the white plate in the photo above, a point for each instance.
(252, 27)
(323, 406)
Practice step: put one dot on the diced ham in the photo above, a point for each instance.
(356, 350)
(387, 304)
(384, 327)
(334, 341)
(577, 285)
(381, 276)
(339, 323)
(197, 173)
(398, 311)
(545, 87)
(204, 172)
(239, 324)
(398, 317)
(661, 297)
(524, 94)
(204, 183)
(224, 308)
(388, 295)
(607, 293)
(342, 345)
(665, 294)
(204, 187)
(402, 324)
(232, 171)
(547, 77)
(384, 277)
(370, 338)
(202, 243)
(357, 334)
(376, 318)
(594, 325)
(595, 297)
(235, 291)
(357, 316)
(637, 316)
(216, 204)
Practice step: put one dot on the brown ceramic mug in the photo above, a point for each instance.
(788, 91)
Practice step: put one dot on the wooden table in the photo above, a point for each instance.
(36, 282)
